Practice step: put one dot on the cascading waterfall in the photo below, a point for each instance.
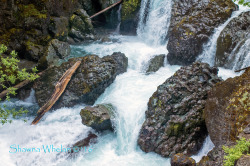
(242, 57)
(129, 94)
(154, 21)
(117, 30)
(209, 49)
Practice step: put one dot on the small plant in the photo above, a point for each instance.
(10, 74)
(235, 152)
(242, 2)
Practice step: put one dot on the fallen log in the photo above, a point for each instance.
(242, 69)
(59, 89)
(104, 10)
(18, 86)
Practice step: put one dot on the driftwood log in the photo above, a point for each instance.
(59, 89)
(18, 86)
(104, 10)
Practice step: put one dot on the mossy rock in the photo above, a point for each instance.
(98, 117)
(227, 111)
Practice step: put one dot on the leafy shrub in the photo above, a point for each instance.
(242, 2)
(235, 152)
(10, 74)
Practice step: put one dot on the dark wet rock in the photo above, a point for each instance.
(243, 161)
(214, 158)
(55, 54)
(226, 111)
(156, 63)
(92, 138)
(90, 80)
(98, 117)
(59, 27)
(29, 65)
(231, 39)
(182, 160)
(130, 16)
(28, 27)
(192, 23)
(174, 119)
(81, 28)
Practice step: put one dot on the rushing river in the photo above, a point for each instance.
(129, 94)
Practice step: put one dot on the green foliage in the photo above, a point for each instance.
(129, 7)
(242, 2)
(10, 74)
(235, 152)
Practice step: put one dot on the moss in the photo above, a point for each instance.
(174, 129)
(129, 7)
(86, 88)
(89, 117)
(6, 37)
(30, 44)
(31, 11)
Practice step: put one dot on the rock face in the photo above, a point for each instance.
(156, 63)
(81, 27)
(214, 157)
(28, 27)
(182, 160)
(231, 39)
(192, 23)
(227, 109)
(174, 119)
(89, 81)
(98, 117)
(55, 54)
(130, 16)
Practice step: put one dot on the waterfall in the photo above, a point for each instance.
(241, 57)
(154, 21)
(209, 49)
(117, 30)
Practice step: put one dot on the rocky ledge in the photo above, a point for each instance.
(174, 119)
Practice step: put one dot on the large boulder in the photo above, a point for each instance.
(90, 80)
(174, 119)
(192, 23)
(227, 109)
(231, 39)
(98, 117)
(182, 160)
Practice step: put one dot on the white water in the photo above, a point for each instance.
(117, 30)
(129, 94)
(242, 57)
(154, 31)
(208, 55)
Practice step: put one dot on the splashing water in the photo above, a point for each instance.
(129, 94)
